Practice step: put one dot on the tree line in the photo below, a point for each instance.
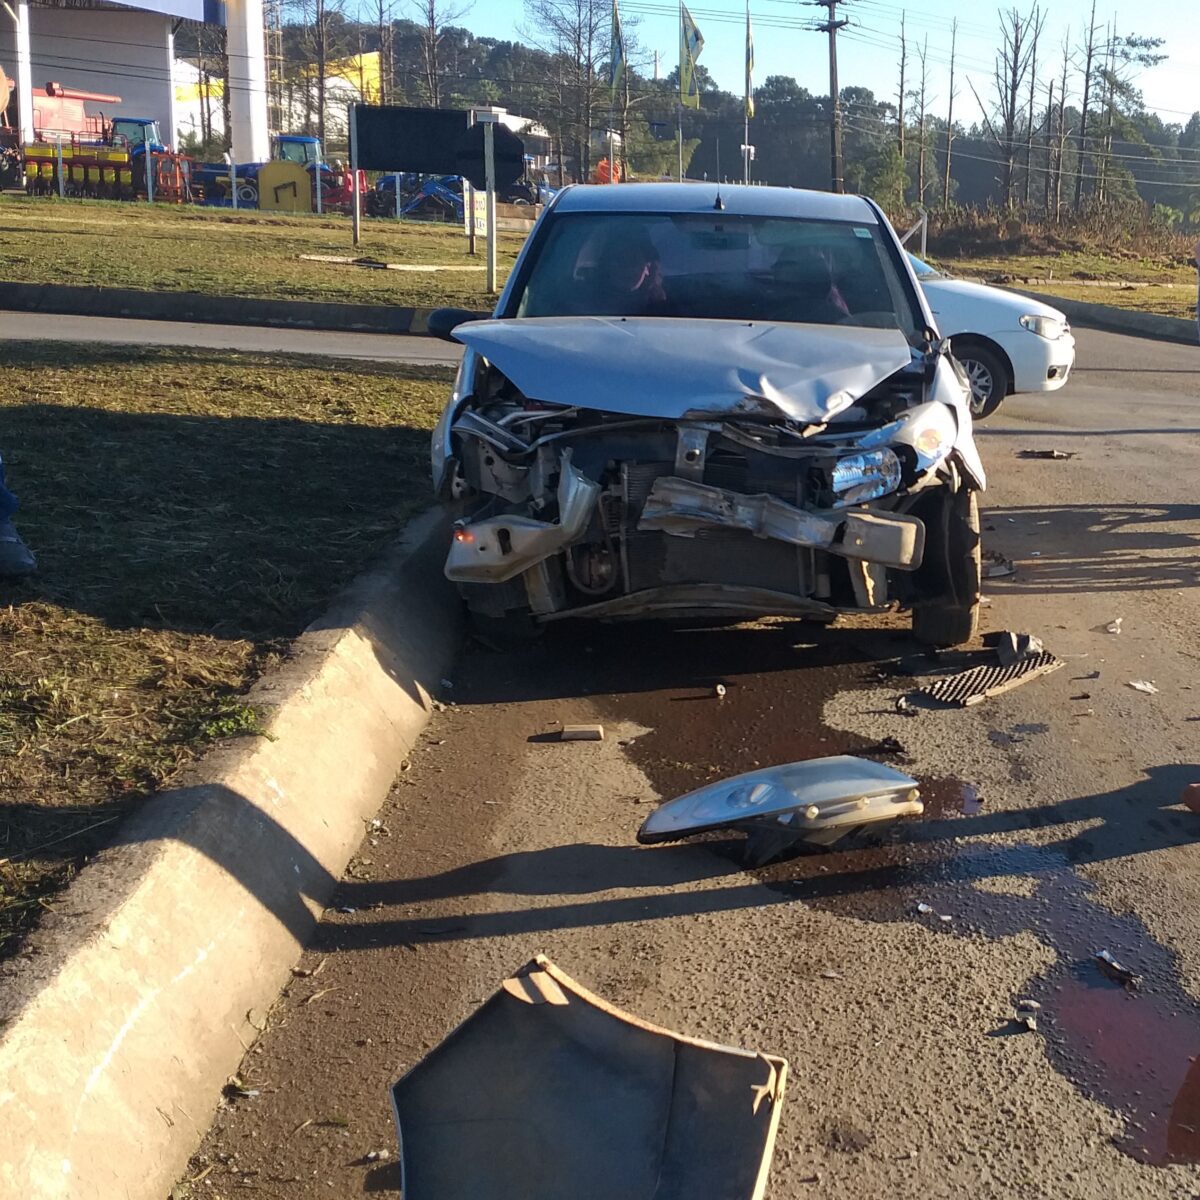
(1063, 129)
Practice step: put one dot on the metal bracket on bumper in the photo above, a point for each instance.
(684, 508)
(501, 548)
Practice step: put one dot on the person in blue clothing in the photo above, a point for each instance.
(15, 557)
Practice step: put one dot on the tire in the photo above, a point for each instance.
(247, 194)
(953, 619)
(988, 377)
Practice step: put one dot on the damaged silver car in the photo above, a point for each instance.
(710, 403)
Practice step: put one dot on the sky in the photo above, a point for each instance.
(868, 51)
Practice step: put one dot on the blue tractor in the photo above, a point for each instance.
(336, 193)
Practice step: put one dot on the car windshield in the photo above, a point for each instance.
(922, 269)
(137, 132)
(298, 152)
(714, 266)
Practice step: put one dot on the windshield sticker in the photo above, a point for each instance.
(863, 233)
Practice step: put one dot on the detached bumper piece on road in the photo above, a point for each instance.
(547, 1091)
(819, 801)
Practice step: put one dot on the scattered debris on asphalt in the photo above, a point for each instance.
(546, 1084)
(924, 909)
(377, 1155)
(1053, 455)
(1114, 626)
(1013, 647)
(996, 566)
(978, 684)
(888, 746)
(235, 1089)
(1117, 971)
(818, 801)
(719, 691)
(1027, 1014)
(582, 733)
(904, 708)
(829, 974)
(1143, 685)
(1082, 696)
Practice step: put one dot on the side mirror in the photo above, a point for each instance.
(444, 321)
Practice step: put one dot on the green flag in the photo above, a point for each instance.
(690, 44)
(616, 55)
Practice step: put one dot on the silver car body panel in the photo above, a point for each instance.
(670, 369)
(684, 508)
(501, 548)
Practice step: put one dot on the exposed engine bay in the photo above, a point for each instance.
(796, 498)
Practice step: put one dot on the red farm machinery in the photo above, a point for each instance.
(77, 153)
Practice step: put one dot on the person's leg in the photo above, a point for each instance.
(15, 556)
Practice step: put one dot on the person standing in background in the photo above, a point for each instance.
(16, 558)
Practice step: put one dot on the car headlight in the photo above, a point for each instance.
(929, 430)
(1047, 327)
(865, 476)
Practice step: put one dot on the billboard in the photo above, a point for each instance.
(212, 12)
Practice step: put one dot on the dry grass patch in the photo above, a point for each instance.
(192, 511)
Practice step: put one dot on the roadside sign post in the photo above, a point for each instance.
(356, 204)
(233, 180)
(489, 118)
(469, 215)
(62, 189)
(149, 164)
(396, 188)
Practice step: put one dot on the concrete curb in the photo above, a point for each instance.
(1110, 319)
(137, 999)
(68, 300)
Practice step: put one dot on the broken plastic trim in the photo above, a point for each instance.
(817, 801)
(547, 1091)
(501, 548)
(682, 507)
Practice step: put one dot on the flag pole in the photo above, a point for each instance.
(679, 101)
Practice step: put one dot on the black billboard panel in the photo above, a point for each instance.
(426, 140)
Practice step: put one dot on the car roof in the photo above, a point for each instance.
(737, 199)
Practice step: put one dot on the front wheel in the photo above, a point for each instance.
(988, 378)
(953, 618)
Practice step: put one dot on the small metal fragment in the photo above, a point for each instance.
(924, 909)
(1143, 685)
(1116, 971)
(719, 691)
(980, 683)
(582, 733)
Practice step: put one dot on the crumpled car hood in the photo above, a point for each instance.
(673, 368)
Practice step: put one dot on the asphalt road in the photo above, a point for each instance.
(118, 331)
(1053, 830)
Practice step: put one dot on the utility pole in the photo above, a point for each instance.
(835, 100)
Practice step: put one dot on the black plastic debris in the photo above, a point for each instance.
(1054, 455)
(1116, 971)
(547, 1091)
(972, 687)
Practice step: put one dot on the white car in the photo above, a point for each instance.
(1005, 342)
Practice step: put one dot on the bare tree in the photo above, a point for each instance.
(576, 34)
(920, 96)
(1089, 57)
(1048, 173)
(1018, 40)
(1029, 133)
(387, 56)
(950, 114)
(901, 93)
(1061, 151)
(433, 17)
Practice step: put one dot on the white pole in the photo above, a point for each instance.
(62, 191)
(356, 206)
(233, 180)
(148, 163)
(396, 186)
(612, 158)
(24, 72)
(247, 81)
(489, 163)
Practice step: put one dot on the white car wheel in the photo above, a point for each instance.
(988, 379)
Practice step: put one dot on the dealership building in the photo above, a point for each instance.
(128, 50)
